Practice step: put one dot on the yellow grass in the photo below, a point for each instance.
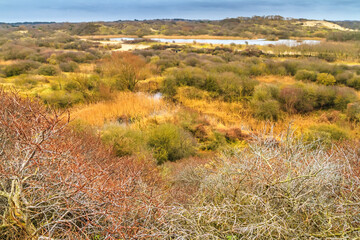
(5, 63)
(162, 36)
(237, 115)
(276, 79)
(87, 67)
(126, 105)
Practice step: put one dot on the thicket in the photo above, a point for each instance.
(232, 80)
(270, 190)
(59, 183)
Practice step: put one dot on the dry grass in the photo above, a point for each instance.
(238, 115)
(127, 105)
(87, 68)
(6, 63)
(276, 79)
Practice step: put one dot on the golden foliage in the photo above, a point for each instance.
(126, 105)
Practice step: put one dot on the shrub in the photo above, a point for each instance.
(190, 76)
(192, 93)
(233, 87)
(267, 110)
(296, 99)
(60, 184)
(354, 82)
(124, 141)
(324, 97)
(325, 79)
(68, 66)
(269, 190)
(20, 68)
(170, 143)
(48, 70)
(26, 82)
(79, 57)
(125, 68)
(266, 92)
(325, 134)
(344, 96)
(353, 112)
(306, 75)
(61, 98)
(344, 77)
(169, 87)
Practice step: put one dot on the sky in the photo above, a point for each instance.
(111, 10)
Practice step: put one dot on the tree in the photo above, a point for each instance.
(126, 68)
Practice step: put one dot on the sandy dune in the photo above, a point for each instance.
(325, 24)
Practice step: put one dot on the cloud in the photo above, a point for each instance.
(93, 10)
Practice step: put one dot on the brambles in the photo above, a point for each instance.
(56, 183)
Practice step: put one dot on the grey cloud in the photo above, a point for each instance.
(92, 10)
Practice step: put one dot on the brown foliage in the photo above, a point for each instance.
(57, 183)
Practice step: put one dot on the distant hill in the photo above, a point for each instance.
(269, 27)
(349, 24)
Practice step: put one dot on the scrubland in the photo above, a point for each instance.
(189, 141)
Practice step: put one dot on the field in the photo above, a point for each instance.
(141, 139)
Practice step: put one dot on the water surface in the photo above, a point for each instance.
(262, 42)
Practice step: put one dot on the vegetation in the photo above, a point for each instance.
(142, 139)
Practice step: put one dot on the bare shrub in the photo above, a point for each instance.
(59, 184)
(277, 188)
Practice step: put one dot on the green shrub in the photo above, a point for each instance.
(169, 87)
(353, 112)
(215, 141)
(26, 82)
(61, 98)
(234, 87)
(20, 68)
(47, 70)
(325, 134)
(170, 143)
(354, 82)
(325, 79)
(124, 141)
(266, 92)
(266, 110)
(306, 75)
(324, 97)
(193, 93)
(344, 96)
(344, 77)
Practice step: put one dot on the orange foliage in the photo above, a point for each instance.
(62, 184)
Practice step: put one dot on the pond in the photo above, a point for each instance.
(262, 42)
